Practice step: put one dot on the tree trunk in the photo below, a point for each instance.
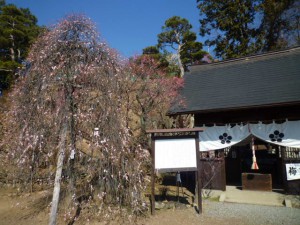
(180, 62)
(12, 50)
(12, 54)
(19, 54)
(70, 92)
(60, 161)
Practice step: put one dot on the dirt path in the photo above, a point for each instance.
(23, 210)
(33, 210)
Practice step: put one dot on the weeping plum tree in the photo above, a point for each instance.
(72, 87)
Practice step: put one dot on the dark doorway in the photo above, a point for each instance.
(238, 160)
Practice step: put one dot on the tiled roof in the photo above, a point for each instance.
(254, 81)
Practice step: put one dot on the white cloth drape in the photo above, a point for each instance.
(218, 137)
(285, 134)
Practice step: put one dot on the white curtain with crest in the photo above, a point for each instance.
(285, 134)
(219, 137)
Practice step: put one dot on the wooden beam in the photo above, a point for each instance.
(233, 109)
(174, 130)
(199, 184)
(249, 115)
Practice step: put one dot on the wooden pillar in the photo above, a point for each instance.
(223, 169)
(283, 169)
(153, 175)
(199, 184)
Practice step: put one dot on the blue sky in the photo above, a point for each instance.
(126, 25)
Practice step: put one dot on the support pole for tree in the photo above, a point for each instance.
(153, 175)
(59, 166)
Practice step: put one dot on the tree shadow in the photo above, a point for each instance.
(80, 199)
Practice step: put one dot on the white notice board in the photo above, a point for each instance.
(175, 154)
(292, 171)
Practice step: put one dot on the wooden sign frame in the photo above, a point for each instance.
(180, 134)
(175, 153)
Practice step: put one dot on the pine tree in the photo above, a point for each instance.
(18, 30)
(177, 34)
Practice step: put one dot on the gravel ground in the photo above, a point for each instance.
(252, 214)
(223, 213)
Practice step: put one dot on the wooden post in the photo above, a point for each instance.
(198, 174)
(283, 169)
(153, 175)
(199, 184)
(223, 169)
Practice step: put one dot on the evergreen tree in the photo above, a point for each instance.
(18, 30)
(242, 27)
(153, 51)
(177, 34)
(163, 60)
(278, 25)
(229, 26)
